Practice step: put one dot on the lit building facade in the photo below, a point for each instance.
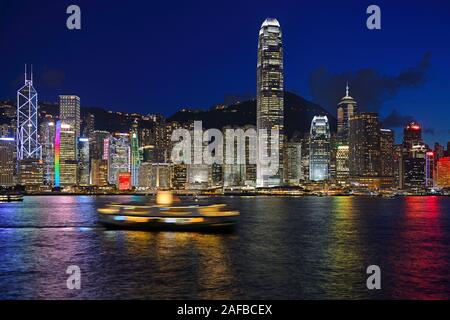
(347, 107)
(27, 143)
(69, 112)
(270, 95)
(319, 149)
(66, 172)
(364, 143)
(342, 164)
(83, 162)
(99, 172)
(47, 141)
(117, 148)
(386, 152)
(7, 161)
(134, 155)
(415, 166)
(293, 159)
(443, 172)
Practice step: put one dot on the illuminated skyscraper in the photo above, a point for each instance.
(28, 146)
(293, 159)
(135, 159)
(443, 172)
(83, 162)
(415, 166)
(47, 141)
(69, 112)
(387, 152)
(270, 90)
(342, 164)
(7, 157)
(319, 149)
(364, 142)
(118, 155)
(66, 172)
(347, 107)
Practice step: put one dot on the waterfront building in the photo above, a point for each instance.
(199, 176)
(69, 112)
(27, 143)
(7, 161)
(347, 107)
(97, 144)
(386, 153)
(398, 165)
(30, 173)
(124, 181)
(99, 172)
(429, 169)
(117, 149)
(364, 143)
(83, 162)
(342, 164)
(134, 155)
(180, 177)
(270, 94)
(47, 141)
(293, 166)
(414, 166)
(66, 173)
(443, 172)
(319, 149)
(156, 175)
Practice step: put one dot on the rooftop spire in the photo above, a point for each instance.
(25, 71)
(346, 90)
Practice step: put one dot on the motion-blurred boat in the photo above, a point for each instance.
(165, 215)
(11, 197)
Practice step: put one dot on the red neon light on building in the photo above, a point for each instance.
(124, 181)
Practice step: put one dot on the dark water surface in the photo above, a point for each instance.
(283, 248)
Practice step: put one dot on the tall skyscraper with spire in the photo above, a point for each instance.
(270, 95)
(347, 107)
(27, 143)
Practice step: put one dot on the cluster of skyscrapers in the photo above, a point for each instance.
(66, 152)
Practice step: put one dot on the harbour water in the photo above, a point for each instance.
(283, 248)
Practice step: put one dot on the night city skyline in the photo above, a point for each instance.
(195, 67)
(202, 153)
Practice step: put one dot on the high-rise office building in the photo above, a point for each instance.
(99, 172)
(429, 169)
(386, 153)
(443, 172)
(319, 149)
(30, 173)
(97, 144)
(293, 159)
(134, 153)
(88, 125)
(47, 141)
(270, 95)
(83, 162)
(69, 112)
(412, 135)
(364, 143)
(414, 168)
(342, 164)
(66, 172)
(28, 146)
(347, 107)
(7, 161)
(118, 154)
(398, 169)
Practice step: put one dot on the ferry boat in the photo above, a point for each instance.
(11, 197)
(164, 214)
